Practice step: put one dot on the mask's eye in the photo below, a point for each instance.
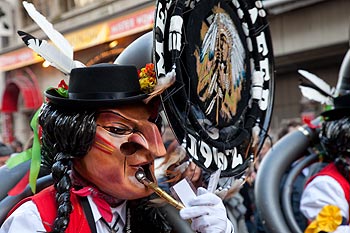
(118, 129)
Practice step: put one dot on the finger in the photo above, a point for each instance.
(205, 199)
(207, 222)
(212, 228)
(201, 191)
(198, 227)
(193, 212)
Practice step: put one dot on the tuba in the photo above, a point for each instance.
(273, 204)
(268, 194)
(220, 105)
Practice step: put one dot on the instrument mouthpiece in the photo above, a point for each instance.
(140, 175)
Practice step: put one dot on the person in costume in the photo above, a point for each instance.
(95, 137)
(325, 200)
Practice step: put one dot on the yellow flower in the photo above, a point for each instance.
(327, 220)
(147, 78)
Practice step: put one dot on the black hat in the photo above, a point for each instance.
(101, 85)
(341, 107)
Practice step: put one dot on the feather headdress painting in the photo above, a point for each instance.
(221, 68)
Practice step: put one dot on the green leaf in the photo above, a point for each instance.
(36, 154)
(17, 159)
(63, 92)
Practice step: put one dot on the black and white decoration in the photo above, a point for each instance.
(222, 55)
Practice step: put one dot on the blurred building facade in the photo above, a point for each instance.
(306, 34)
(98, 30)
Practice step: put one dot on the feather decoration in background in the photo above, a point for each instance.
(314, 88)
(56, 37)
(50, 53)
(315, 95)
(318, 82)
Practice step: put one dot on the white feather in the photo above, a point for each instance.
(162, 84)
(318, 82)
(315, 95)
(51, 54)
(167, 79)
(56, 37)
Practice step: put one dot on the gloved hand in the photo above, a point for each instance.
(207, 212)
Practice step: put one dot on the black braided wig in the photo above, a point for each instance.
(66, 134)
(335, 138)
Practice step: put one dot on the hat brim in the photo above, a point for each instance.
(56, 99)
(336, 114)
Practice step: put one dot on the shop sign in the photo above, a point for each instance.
(87, 37)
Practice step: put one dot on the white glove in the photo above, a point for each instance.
(207, 212)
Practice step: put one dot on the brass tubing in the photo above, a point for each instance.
(141, 177)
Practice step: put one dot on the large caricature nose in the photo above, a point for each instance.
(149, 138)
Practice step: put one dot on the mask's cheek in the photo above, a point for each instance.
(104, 158)
(103, 144)
(99, 168)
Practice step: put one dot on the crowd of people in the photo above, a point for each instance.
(240, 206)
(84, 179)
(120, 141)
(98, 135)
(94, 140)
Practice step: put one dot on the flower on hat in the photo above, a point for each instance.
(61, 89)
(327, 220)
(147, 78)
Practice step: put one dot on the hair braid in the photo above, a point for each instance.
(60, 173)
(335, 137)
(65, 135)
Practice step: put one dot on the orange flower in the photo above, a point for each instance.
(147, 78)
